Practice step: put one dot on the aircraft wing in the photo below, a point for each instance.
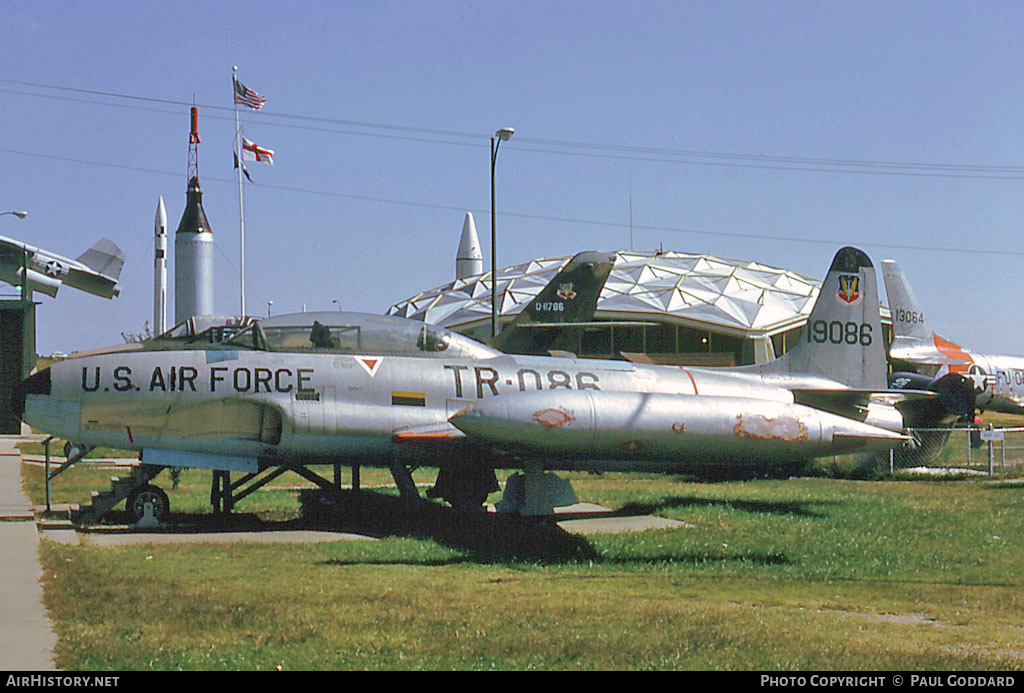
(96, 271)
(851, 402)
(1015, 399)
(952, 398)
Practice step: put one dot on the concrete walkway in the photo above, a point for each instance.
(27, 639)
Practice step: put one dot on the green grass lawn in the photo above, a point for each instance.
(809, 573)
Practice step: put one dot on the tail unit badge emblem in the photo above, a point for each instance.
(849, 290)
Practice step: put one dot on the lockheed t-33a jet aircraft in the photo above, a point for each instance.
(294, 391)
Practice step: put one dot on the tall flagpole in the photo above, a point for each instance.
(241, 198)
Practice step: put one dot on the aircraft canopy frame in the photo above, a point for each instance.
(355, 333)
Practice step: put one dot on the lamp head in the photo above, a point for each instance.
(505, 134)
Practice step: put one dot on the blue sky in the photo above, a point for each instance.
(895, 127)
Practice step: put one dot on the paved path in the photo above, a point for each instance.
(588, 518)
(27, 639)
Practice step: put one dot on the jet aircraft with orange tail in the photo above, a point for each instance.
(998, 380)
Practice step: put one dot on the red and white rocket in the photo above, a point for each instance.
(193, 245)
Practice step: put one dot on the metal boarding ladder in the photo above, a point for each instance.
(102, 501)
(120, 488)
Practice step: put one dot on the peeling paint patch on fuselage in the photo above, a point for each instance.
(552, 418)
(786, 427)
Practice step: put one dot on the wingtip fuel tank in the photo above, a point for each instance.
(667, 431)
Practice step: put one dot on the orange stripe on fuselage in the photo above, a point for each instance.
(433, 437)
(692, 381)
(953, 351)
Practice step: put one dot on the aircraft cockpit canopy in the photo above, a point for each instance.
(356, 333)
(198, 332)
(204, 329)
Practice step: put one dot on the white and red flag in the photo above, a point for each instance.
(253, 152)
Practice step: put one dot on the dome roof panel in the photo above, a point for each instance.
(674, 285)
(740, 312)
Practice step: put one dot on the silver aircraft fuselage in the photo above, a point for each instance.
(237, 408)
(361, 389)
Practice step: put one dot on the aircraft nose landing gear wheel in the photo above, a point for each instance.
(135, 504)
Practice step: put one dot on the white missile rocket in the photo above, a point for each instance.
(160, 269)
(469, 260)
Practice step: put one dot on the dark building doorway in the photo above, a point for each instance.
(17, 356)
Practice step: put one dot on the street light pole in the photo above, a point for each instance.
(26, 293)
(500, 136)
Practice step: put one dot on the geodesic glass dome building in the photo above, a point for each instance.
(696, 309)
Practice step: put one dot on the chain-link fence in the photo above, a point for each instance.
(973, 449)
(949, 451)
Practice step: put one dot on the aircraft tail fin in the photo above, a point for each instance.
(105, 258)
(547, 323)
(842, 339)
(913, 340)
(907, 317)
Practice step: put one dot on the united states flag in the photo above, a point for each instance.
(247, 97)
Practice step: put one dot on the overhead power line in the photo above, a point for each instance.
(522, 215)
(689, 157)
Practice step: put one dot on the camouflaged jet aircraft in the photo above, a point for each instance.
(554, 321)
(328, 388)
(998, 380)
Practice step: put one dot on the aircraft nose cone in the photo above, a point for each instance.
(37, 384)
(472, 420)
(467, 412)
